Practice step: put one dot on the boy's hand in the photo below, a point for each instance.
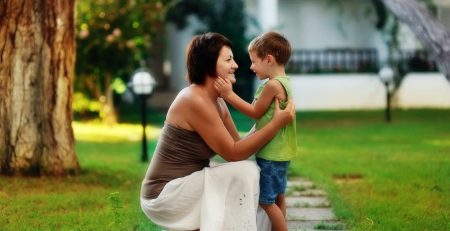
(223, 86)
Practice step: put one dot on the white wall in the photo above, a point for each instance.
(337, 92)
(429, 90)
(365, 91)
(324, 24)
(320, 24)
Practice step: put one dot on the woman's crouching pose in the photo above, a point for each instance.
(181, 190)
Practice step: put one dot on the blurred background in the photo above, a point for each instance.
(373, 108)
(339, 47)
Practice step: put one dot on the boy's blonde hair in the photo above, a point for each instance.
(271, 43)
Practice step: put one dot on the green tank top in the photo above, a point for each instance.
(283, 147)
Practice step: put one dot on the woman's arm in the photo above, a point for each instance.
(228, 121)
(205, 119)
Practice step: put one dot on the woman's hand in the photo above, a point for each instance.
(283, 116)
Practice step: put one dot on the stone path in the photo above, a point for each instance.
(308, 207)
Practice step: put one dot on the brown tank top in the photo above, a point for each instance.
(179, 153)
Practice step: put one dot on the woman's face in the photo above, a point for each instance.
(226, 66)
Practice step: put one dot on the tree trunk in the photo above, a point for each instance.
(432, 34)
(108, 110)
(37, 55)
(156, 62)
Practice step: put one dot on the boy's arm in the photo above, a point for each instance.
(255, 110)
(273, 89)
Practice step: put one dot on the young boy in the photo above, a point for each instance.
(269, 54)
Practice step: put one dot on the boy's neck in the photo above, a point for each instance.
(277, 71)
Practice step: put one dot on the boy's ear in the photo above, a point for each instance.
(270, 59)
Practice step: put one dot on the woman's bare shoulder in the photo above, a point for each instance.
(188, 97)
(187, 103)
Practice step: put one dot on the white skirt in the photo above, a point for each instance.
(220, 197)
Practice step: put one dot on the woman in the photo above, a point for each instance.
(180, 190)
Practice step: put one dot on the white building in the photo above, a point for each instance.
(342, 28)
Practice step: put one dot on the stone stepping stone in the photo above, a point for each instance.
(307, 202)
(300, 183)
(315, 225)
(308, 207)
(306, 193)
(310, 214)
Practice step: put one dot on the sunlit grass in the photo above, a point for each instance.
(402, 168)
(378, 176)
(100, 132)
(110, 165)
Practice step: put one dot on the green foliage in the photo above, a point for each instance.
(115, 35)
(178, 11)
(114, 38)
(226, 17)
(83, 105)
(119, 86)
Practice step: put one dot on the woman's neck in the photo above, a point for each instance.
(209, 89)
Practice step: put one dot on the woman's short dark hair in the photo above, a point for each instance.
(202, 54)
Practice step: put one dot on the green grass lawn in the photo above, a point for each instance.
(105, 196)
(378, 176)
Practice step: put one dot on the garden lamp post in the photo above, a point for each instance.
(143, 84)
(386, 75)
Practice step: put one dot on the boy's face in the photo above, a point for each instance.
(226, 66)
(259, 66)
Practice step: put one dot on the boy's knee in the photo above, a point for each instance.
(267, 206)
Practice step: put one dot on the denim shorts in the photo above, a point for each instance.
(272, 180)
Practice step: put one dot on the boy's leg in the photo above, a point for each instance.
(281, 203)
(272, 183)
(276, 217)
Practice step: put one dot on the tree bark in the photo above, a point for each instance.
(109, 111)
(37, 55)
(156, 62)
(432, 34)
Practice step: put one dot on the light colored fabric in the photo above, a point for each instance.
(220, 197)
(283, 147)
(262, 220)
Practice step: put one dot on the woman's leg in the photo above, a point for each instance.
(230, 196)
